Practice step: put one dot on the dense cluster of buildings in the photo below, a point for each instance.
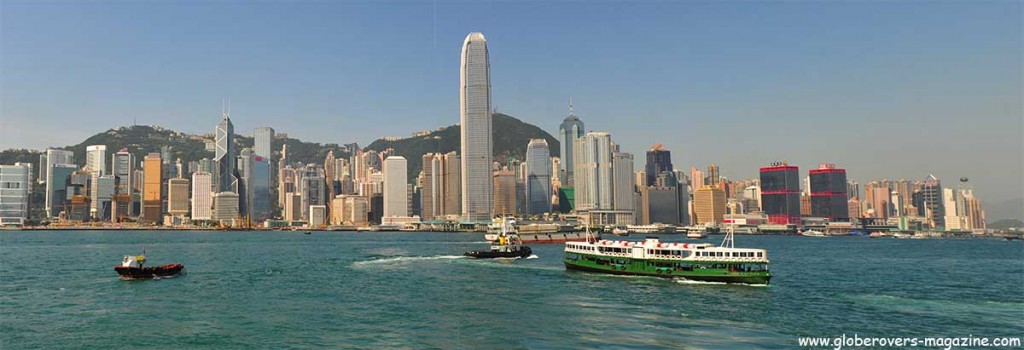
(593, 180)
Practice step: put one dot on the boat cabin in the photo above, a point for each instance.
(652, 248)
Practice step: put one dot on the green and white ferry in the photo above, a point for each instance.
(698, 262)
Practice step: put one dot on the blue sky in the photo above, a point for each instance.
(886, 89)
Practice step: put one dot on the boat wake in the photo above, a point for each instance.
(404, 259)
(686, 281)
(534, 256)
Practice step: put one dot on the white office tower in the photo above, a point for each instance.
(396, 194)
(475, 121)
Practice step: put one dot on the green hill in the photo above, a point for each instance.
(143, 139)
(511, 136)
(1005, 224)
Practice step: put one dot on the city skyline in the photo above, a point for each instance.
(925, 84)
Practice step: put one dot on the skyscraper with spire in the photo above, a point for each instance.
(476, 137)
(225, 155)
(570, 130)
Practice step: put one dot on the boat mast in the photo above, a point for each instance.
(729, 241)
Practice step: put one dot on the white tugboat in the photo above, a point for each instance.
(507, 245)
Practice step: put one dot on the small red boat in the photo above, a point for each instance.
(131, 268)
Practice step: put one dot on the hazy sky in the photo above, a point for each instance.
(885, 89)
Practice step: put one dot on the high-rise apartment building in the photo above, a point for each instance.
(476, 136)
(441, 190)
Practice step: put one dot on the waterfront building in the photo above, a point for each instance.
(396, 192)
(96, 159)
(709, 205)
(505, 192)
(570, 130)
(538, 177)
(355, 210)
(15, 186)
(202, 197)
(659, 160)
(476, 135)
(593, 172)
(317, 215)
(225, 207)
(780, 193)
(152, 190)
(177, 197)
(660, 204)
(828, 188)
(263, 138)
(65, 160)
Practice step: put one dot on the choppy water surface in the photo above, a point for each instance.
(414, 290)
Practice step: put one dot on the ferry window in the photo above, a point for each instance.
(719, 254)
(758, 254)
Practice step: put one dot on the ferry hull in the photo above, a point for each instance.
(704, 275)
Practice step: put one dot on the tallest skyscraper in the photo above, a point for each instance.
(477, 146)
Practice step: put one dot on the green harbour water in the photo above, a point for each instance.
(58, 289)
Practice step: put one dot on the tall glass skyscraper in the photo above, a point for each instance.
(538, 177)
(570, 130)
(475, 118)
(262, 139)
(659, 160)
(225, 156)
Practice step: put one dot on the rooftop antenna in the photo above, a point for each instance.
(570, 106)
